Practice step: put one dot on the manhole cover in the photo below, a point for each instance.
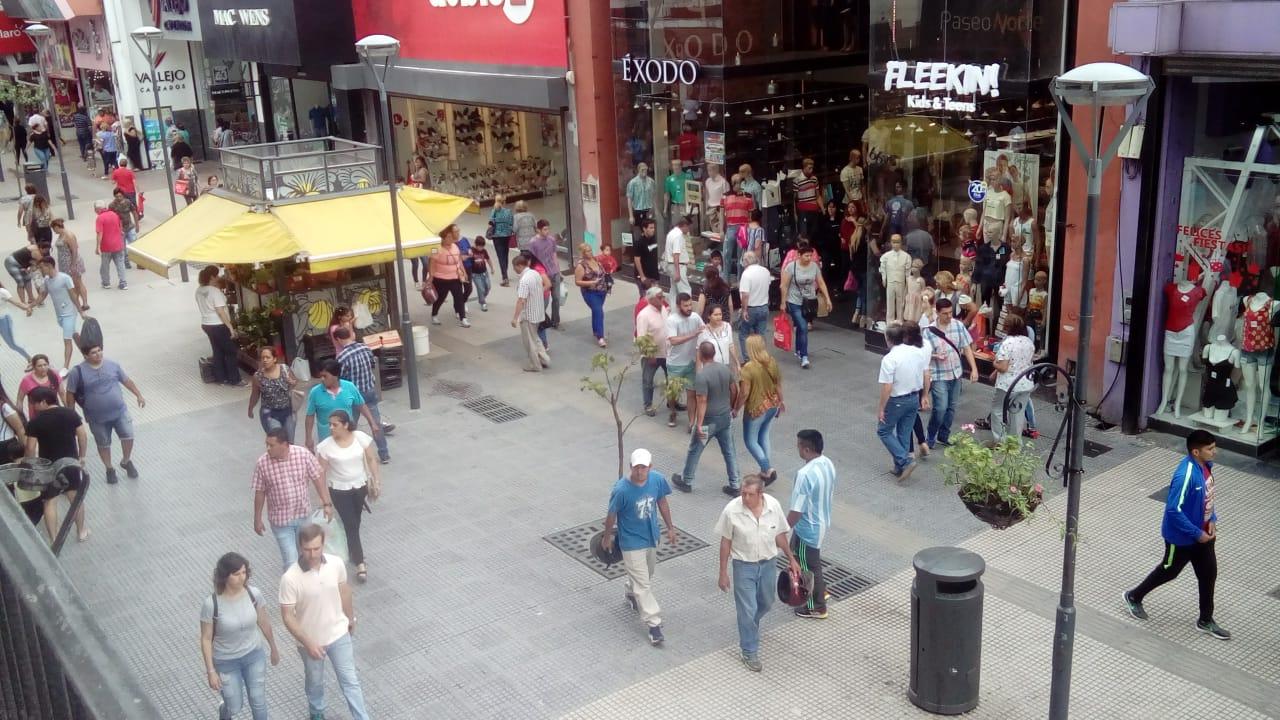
(494, 409)
(576, 543)
(1161, 495)
(1093, 449)
(456, 389)
(841, 581)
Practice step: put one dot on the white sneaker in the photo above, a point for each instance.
(435, 320)
(464, 323)
(804, 362)
(484, 307)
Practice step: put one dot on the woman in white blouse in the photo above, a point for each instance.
(719, 333)
(350, 467)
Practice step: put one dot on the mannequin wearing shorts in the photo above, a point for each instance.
(1181, 299)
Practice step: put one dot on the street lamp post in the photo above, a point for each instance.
(1096, 86)
(145, 39)
(41, 35)
(383, 49)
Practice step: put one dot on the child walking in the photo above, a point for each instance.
(480, 271)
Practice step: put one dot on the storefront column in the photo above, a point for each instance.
(594, 136)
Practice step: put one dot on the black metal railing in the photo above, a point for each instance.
(55, 661)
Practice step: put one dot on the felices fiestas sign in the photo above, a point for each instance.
(653, 70)
(937, 82)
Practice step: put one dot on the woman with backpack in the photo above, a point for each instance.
(233, 622)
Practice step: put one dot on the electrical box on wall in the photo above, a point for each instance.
(1131, 146)
(1115, 349)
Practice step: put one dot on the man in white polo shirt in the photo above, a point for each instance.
(904, 391)
(753, 286)
(315, 604)
(677, 256)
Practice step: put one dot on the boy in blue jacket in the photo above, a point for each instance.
(1190, 530)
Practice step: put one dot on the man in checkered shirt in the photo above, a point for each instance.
(358, 368)
(949, 338)
(280, 481)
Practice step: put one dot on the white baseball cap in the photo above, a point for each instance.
(640, 456)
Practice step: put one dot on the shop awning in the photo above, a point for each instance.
(909, 137)
(329, 233)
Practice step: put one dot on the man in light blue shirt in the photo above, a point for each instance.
(634, 505)
(810, 517)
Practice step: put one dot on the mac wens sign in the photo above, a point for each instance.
(933, 84)
(257, 30)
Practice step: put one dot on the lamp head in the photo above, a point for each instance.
(38, 31)
(148, 33)
(1102, 83)
(377, 47)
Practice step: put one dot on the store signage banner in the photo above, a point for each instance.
(263, 31)
(174, 76)
(653, 70)
(713, 147)
(13, 40)
(56, 55)
(937, 82)
(89, 44)
(180, 19)
(528, 33)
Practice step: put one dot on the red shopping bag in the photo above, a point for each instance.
(783, 332)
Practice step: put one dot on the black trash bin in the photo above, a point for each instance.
(33, 174)
(946, 630)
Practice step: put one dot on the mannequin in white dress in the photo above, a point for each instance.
(994, 227)
(1257, 345)
(1220, 393)
(1222, 310)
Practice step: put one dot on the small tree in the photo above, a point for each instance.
(612, 375)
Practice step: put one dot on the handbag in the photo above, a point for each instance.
(180, 186)
(808, 306)
(429, 292)
(851, 283)
(783, 331)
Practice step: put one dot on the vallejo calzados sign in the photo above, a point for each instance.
(939, 81)
(653, 70)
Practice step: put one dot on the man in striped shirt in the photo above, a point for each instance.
(530, 312)
(810, 517)
(808, 207)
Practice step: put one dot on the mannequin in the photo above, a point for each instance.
(915, 291)
(894, 265)
(964, 279)
(1181, 299)
(1220, 359)
(1257, 343)
(1022, 232)
(995, 212)
(971, 222)
(1222, 310)
(1014, 277)
(1037, 304)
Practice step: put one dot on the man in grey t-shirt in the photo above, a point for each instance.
(716, 397)
(95, 385)
(58, 286)
(918, 242)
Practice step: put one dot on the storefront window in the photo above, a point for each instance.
(479, 151)
(282, 109)
(314, 108)
(1220, 306)
(232, 97)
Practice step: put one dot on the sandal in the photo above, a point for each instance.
(362, 574)
(982, 424)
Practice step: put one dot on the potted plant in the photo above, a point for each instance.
(997, 482)
(613, 373)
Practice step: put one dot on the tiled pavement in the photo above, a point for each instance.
(470, 614)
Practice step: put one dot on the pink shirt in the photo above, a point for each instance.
(445, 263)
(108, 228)
(31, 382)
(653, 322)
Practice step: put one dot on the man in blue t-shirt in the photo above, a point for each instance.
(634, 505)
(810, 517)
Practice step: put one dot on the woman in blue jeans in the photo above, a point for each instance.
(760, 399)
(230, 620)
(273, 384)
(802, 283)
(595, 283)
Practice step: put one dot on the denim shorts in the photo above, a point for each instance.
(68, 325)
(101, 429)
(16, 271)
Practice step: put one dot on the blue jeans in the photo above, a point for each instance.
(245, 675)
(277, 417)
(6, 332)
(648, 376)
(595, 300)
(379, 437)
(802, 329)
(755, 435)
(718, 428)
(342, 655)
(483, 284)
(756, 323)
(729, 250)
(754, 587)
(900, 414)
(287, 539)
(945, 395)
(42, 157)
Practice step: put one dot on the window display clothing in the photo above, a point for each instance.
(1013, 280)
(915, 305)
(1179, 331)
(1219, 391)
(1223, 311)
(894, 266)
(1257, 335)
(1023, 232)
(990, 268)
(716, 188)
(995, 215)
(896, 211)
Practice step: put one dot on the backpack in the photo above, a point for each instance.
(252, 597)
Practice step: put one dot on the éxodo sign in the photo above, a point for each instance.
(522, 33)
(939, 81)
(653, 70)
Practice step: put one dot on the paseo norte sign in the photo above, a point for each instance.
(937, 82)
(653, 70)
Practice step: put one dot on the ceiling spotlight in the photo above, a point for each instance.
(862, 96)
(648, 106)
(713, 114)
(968, 117)
(830, 100)
(661, 107)
(968, 133)
(1019, 109)
(986, 114)
(699, 109)
(944, 132)
(991, 134)
(1035, 105)
(898, 128)
(933, 124)
(636, 105)
(815, 101)
(726, 112)
(799, 104)
(748, 111)
(845, 98)
(919, 129)
(1003, 111)
(911, 124)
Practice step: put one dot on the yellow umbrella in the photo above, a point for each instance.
(434, 209)
(214, 229)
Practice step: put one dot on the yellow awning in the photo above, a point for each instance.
(910, 137)
(186, 236)
(329, 233)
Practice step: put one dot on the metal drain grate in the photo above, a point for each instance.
(576, 543)
(456, 389)
(1093, 449)
(491, 407)
(1160, 495)
(1274, 593)
(841, 581)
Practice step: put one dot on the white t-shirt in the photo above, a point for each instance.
(6, 412)
(904, 367)
(755, 283)
(346, 464)
(5, 295)
(676, 244)
(316, 598)
(722, 340)
(208, 300)
(716, 188)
